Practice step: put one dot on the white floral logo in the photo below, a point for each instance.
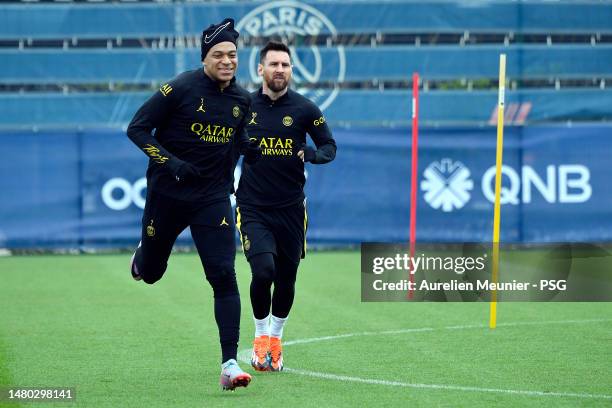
(447, 185)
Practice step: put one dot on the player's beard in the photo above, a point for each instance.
(277, 84)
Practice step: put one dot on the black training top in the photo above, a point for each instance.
(280, 127)
(195, 121)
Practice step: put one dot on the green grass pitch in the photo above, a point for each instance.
(81, 321)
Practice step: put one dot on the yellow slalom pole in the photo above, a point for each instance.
(498, 179)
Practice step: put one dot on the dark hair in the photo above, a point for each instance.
(273, 46)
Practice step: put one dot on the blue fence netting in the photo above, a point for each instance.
(41, 21)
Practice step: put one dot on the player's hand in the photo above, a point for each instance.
(307, 153)
(186, 172)
(252, 153)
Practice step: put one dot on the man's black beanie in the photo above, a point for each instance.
(216, 33)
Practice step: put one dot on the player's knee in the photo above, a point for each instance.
(219, 268)
(224, 286)
(222, 277)
(150, 279)
(262, 267)
(151, 273)
(287, 275)
(286, 286)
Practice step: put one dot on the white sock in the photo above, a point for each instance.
(276, 326)
(228, 363)
(262, 326)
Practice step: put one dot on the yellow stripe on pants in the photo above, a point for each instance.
(238, 223)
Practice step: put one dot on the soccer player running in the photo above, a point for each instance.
(271, 206)
(199, 119)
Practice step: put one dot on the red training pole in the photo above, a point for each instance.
(413, 178)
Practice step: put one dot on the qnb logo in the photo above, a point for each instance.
(118, 193)
(565, 184)
(290, 19)
(447, 185)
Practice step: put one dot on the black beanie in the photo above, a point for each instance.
(216, 33)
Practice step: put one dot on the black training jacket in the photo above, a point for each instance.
(280, 127)
(195, 121)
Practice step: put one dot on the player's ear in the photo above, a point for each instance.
(260, 69)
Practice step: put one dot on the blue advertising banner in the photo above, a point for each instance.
(40, 187)
(113, 190)
(87, 189)
(555, 185)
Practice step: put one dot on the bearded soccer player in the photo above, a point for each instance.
(271, 206)
(199, 119)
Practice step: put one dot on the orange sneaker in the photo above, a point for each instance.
(259, 356)
(276, 354)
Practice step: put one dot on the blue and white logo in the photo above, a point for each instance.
(447, 185)
(291, 19)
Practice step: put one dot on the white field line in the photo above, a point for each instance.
(244, 356)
